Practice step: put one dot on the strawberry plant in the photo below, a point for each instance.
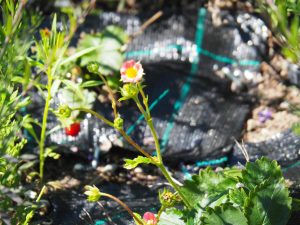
(255, 194)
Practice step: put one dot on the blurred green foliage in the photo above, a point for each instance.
(16, 30)
(284, 16)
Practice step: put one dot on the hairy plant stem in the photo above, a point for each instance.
(174, 185)
(160, 165)
(124, 206)
(150, 124)
(122, 132)
(44, 127)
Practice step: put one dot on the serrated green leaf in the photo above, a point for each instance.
(238, 197)
(261, 170)
(207, 188)
(172, 216)
(225, 214)
(132, 163)
(269, 204)
(109, 53)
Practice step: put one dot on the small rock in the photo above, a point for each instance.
(110, 168)
(138, 170)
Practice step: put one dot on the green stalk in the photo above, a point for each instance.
(122, 132)
(99, 116)
(44, 127)
(157, 147)
(138, 220)
(174, 185)
(150, 124)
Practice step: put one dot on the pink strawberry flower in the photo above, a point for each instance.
(131, 72)
(150, 218)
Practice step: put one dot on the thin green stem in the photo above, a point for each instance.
(145, 99)
(160, 212)
(138, 220)
(122, 132)
(174, 185)
(150, 124)
(136, 146)
(44, 127)
(99, 116)
(111, 94)
(157, 146)
(41, 194)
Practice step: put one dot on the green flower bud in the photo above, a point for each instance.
(64, 111)
(129, 91)
(118, 123)
(93, 193)
(93, 67)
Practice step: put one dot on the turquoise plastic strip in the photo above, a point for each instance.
(291, 166)
(187, 85)
(216, 57)
(212, 162)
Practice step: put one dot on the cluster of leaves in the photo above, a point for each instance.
(254, 195)
(285, 21)
(109, 52)
(15, 39)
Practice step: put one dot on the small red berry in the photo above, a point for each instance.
(150, 218)
(73, 130)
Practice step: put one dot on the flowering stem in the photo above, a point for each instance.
(129, 139)
(122, 132)
(145, 99)
(124, 206)
(99, 116)
(157, 146)
(174, 185)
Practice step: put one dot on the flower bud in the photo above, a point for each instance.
(129, 91)
(118, 123)
(150, 218)
(64, 111)
(93, 193)
(93, 67)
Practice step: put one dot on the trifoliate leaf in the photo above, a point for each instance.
(132, 163)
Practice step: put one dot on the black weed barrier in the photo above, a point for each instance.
(196, 115)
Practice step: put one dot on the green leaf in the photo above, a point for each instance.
(208, 187)
(269, 204)
(108, 49)
(172, 216)
(117, 33)
(225, 214)
(261, 170)
(238, 197)
(132, 163)
(91, 83)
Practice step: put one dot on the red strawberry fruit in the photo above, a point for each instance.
(73, 130)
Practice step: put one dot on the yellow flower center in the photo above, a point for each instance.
(131, 72)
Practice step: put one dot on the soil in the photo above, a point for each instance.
(276, 101)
